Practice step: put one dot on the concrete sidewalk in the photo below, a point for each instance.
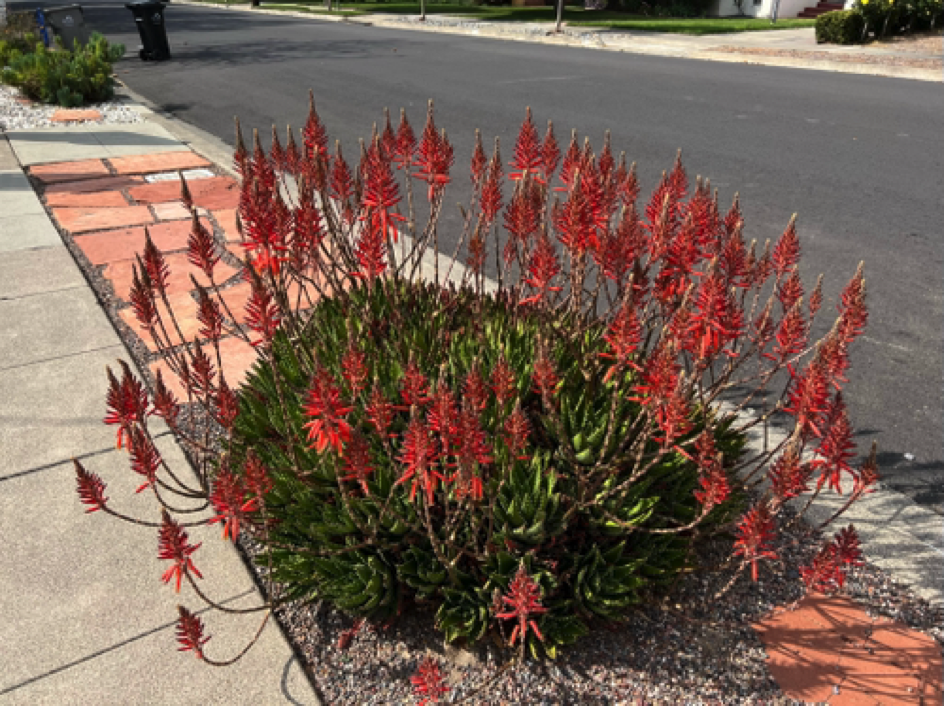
(789, 48)
(86, 619)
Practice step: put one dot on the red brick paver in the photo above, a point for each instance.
(227, 220)
(161, 162)
(211, 194)
(73, 115)
(829, 649)
(69, 171)
(111, 183)
(99, 199)
(83, 220)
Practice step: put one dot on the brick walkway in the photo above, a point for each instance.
(823, 650)
(106, 205)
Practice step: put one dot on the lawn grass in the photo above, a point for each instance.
(573, 16)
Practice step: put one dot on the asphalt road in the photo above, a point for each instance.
(860, 159)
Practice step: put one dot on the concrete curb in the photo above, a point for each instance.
(590, 39)
(898, 535)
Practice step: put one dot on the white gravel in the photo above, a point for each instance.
(18, 116)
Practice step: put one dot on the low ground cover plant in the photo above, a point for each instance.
(878, 18)
(531, 437)
(68, 78)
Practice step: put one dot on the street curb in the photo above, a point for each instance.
(899, 536)
(596, 40)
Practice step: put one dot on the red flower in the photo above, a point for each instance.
(428, 682)
(414, 387)
(755, 532)
(504, 382)
(145, 458)
(528, 153)
(173, 545)
(262, 313)
(229, 500)
(543, 268)
(190, 632)
(516, 430)
(624, 336)
(379, 411)
(787, 253)
(836, 448)
(827, 573)
(545, 376)
(127, 401)
(91, 488)
(435, 157)
(201, 247)
(713, 479)
(328, 413)
(354, 369)
(357, 464)
(524, 601)
(474, 389)
(418, 455)
(788, 475)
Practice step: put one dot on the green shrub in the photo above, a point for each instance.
(840, 27)
(68, 78)
(17, 37)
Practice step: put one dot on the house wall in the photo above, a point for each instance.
(788, 8)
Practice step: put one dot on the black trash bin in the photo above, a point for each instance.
(149, 17)
(68, 23)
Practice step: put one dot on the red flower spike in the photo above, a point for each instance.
(126, 401)
(550, 153)
(156, 266)
(623, 336)
(428, 682)
(341, 184)
(853, 314)
(755, 532)
(808, 398)
(418, 454)
(414, 387)
(229, 500)
(190, 632)
(792, 335)
(226, 405)
(516, 430)
(328, 414)
(472, 445)
(380, 411)
(528, 158)
(475, 390)
(789, 476)
(354, 369)
(209, 316)
(145, 458)
(174, 545)
(444, 415)
(314, 133)
(816, 298)
(292, 155)
(672, 413)
(572, 160)
(522, 217)
(202, 372)
(142, 301)
(406, 143)
(734, 220)
(276, 153)
(523, 601)
(262, 313)
(475, 259)
(713, 479)
(836, 448)
(543, 268)
(790, 290)
(660, 376)
(629, 187)
(848, 547)
(575, 221)
(828, 571)
(435, 157)
(357, 463)
(545, 376)
(479, 160)
(490, 202)
(504, 381)
(678, 179)
(786, 254)
(388, 139)
(256, 475)
(91, 488)
(381, 195)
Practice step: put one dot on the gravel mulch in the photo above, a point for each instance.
(874, 59)
(15, 115)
